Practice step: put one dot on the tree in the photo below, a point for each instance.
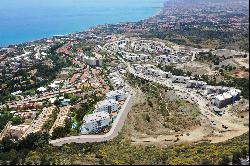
(236, 158)
(67, 125)
(43, 140)
(17, 120)
(221, 70)
(147, 117)
(224, 160)
(7, 144)
(58, 133)
(244, 152)
(30, 142)
(206, 162)
(230, 68)
(10, 157)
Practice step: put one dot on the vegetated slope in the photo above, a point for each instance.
(121, 151)
(158, 111)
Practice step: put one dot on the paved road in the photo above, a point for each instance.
(114, 131)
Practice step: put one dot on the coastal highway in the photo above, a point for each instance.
(114, 131)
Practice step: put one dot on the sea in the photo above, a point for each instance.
(27, 20)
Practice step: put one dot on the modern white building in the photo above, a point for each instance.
(168, 59)
(95, 122)
(134, 57)
(16, 93)
(109, 105)
(196, 84)
(216, 89)
(138, 68)
(180, 79)
(95, 60)
(229, 97)
(151, 71)
(117, 81)
(41, 89)
(154, 71)
(166, 74)
(55, 85)
(210, 89)
(117, 95)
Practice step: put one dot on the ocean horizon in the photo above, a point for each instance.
(28, 20)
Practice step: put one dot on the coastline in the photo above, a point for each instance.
(84, 30)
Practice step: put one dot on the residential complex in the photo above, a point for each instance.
(94, 122)
(109, 106)
(94, 59)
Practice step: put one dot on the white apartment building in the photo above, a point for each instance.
(134, 57)
(122, 42)
(96, 60)
(185, 58)
(138, 68)
(109, 105)
(152, 70)
(216, 89)
(168, 59)
(166, 74)
(229, 97)
(180, 79)
(196, 84)
(117, 95)
(94, 122)
(116, 81)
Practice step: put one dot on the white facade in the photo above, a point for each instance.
(109, 105)
(216, 89)
(117, 81)
(41, 89)
(93, 61)
(117, 95)
(134, 57)
(138, 68)
(94, 122)
(210, 89)
(180, 79)
(229, 97)
(168, 59)
(151, 71)
(196, 84)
